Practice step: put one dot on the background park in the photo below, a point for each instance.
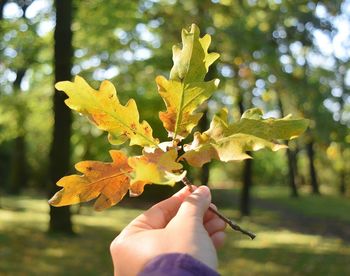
(281, 56)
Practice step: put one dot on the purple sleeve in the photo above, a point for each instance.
(176, 264)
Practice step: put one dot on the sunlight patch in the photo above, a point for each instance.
(285, 238)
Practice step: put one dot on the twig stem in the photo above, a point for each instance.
(231, 223)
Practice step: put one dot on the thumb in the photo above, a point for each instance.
(196, 204)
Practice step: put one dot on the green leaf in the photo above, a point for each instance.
(253, 124)
(186, 90)
(230, 142)
(104, 109)
(192, 60)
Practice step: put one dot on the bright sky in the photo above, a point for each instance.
(341, 41)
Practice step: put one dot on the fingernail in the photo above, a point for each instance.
(203, 191)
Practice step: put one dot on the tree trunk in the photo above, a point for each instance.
(298, 177)
(342, 187)
(2, 5)
(60, 218)
(245, 205)
(19, 166)
(343, 173)
(313, 176)
(204, 121)
(204, 174)
(245, 208)
(292, 170)
(18, 173)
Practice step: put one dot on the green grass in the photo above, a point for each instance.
(280, 251)
(325, 206)
(26, 249)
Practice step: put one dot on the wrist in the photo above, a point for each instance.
(173, 264)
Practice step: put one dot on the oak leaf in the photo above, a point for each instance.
(186, 89)
(252, 122)
(108, 182)
(104, 109)
(156, 166)
(183, 93)
(229, 142)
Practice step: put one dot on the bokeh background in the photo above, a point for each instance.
(281, 56)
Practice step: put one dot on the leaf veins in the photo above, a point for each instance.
(104, 109)
(186, 89)
(108, 182)
(230, 142)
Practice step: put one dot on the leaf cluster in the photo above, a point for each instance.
(160, 163)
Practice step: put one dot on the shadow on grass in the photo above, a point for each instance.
(309, 215)
(33, 252)
(283, 260)
(26, 249)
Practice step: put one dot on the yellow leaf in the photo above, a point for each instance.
(108, 182)
(156, 167)
(104, 109)
(186, 90)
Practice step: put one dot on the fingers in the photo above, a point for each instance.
(161, 213)
(195, 205)
(218, 239)
(209, 214)
(215, 225)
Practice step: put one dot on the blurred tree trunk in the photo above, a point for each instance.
(342, 187)
(204, 172)
(313, 176)
(291, 158)
(298, 177)
(204, 18)
(19, 166)
(2, 5)
(292, 171)
(343, 173)
(18, 173)
(60, 218)
(345, 89)
(245, 204)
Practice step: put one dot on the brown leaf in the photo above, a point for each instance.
(108, 182)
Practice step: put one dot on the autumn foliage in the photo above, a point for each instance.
(160, 163)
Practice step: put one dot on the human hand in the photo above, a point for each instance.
(179, 224)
